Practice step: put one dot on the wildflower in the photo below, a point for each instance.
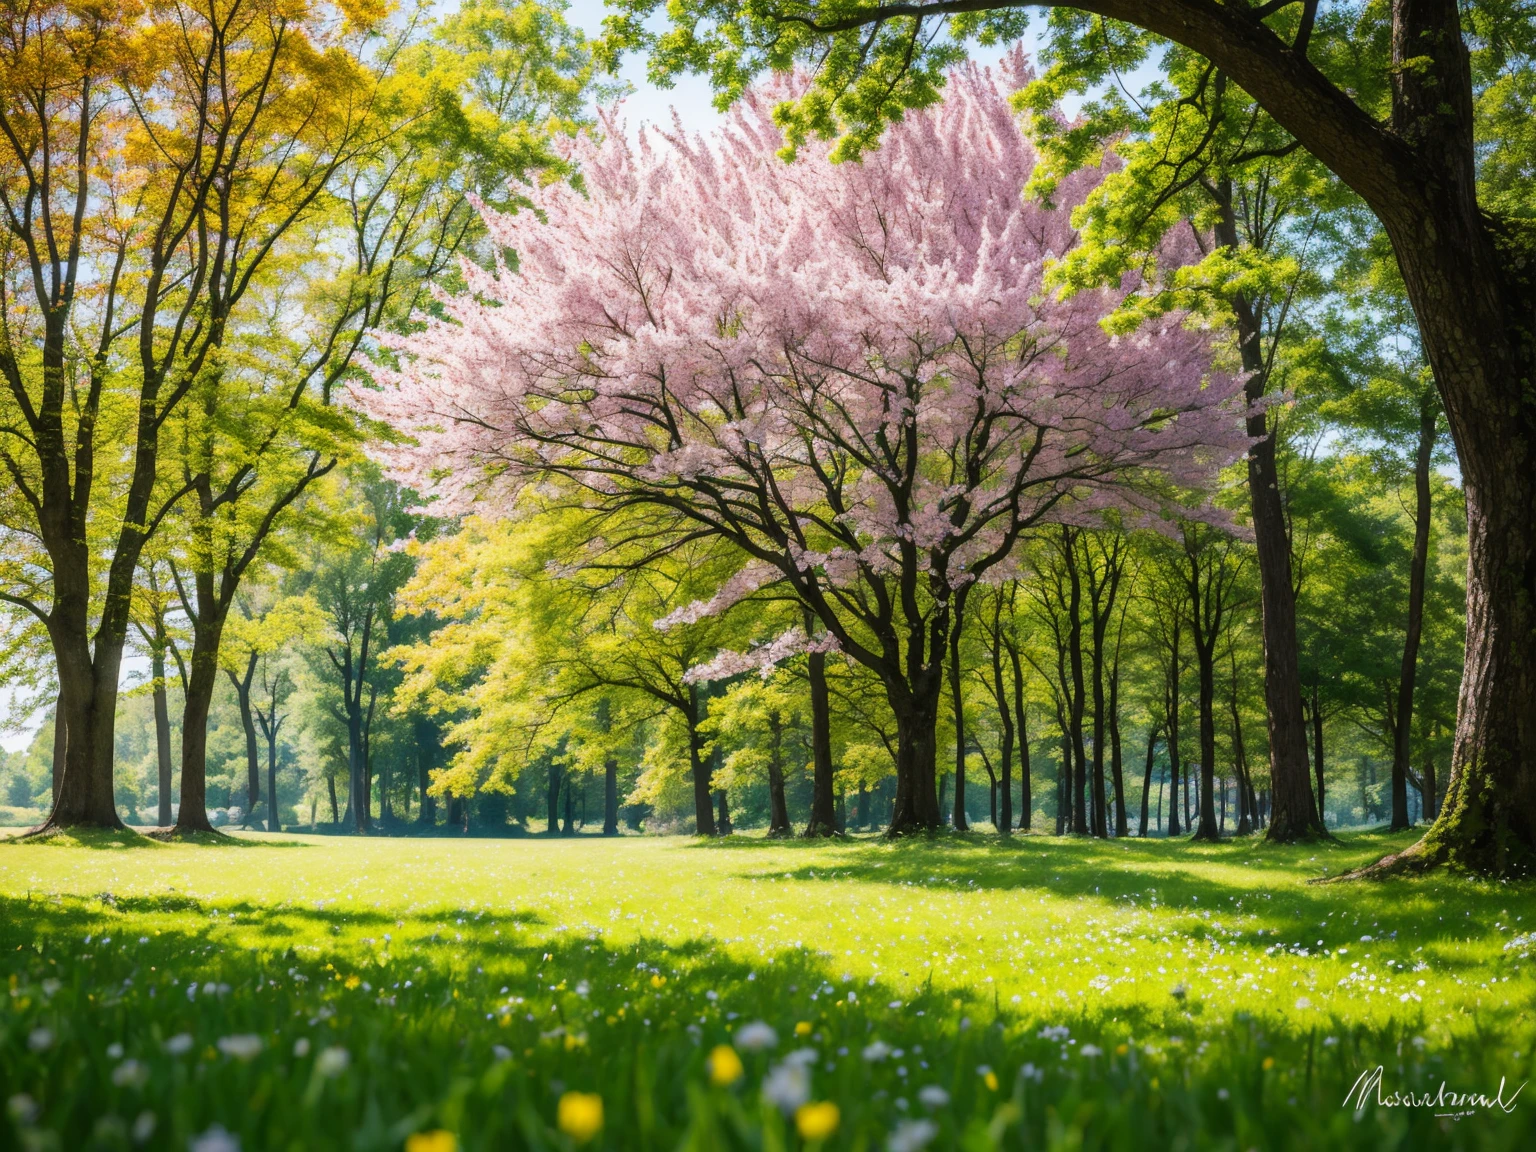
(1330, 1041)
(788, 1086)
(301, 1048)
(580, 1115)
(179, 1044)
(1030, 1072)
(724, 1066)
(216, 1139)
(1057, 1032)
(933, 1096)
(241, 1048)
(501, 1052)
(40, 1040)
(876, 1052)
(130, 1074)
(755, 1037)
(114, 1051)
(143, 1127)
(22, 1109)
(817, 1121)
(437, 1140)
(1302, 1003)
(911, 1136)
(1091, 1050)
(1269, 1062)
(332, 1062)
(988, 1077)
(803, 1028)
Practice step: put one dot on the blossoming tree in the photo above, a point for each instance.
(851, 372)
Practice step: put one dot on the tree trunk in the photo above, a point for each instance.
(164, 817)
(778, 808)
(1146, 781)
(1116, 765)
(1026, 800)
(823, 821)
(723, 823)
(570, 804)
(1401, 744)
(1002, 812)
(1173, 769)
(917, 801)
(61, 750)
(552, 798)
(957, 700)
(1075, 656)
(1317, 753)
(330, 783)
(426, 756)
(248, 723)
(703, 805)
(610, 797)
(208, 627)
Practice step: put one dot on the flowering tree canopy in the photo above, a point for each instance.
(853, 372)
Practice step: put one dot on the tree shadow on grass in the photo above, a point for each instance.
(482, 1035)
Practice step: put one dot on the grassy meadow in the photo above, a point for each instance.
(293, 992)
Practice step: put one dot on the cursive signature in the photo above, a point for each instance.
(1445, 1102)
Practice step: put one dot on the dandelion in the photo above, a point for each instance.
(803, 1028)
(817, 1121)
(242, 1048)
(876, 1052)
(580, 1115)
(724, 1066)
(130, 1074)
(912, 1136)
(932, 1096)
(179, 1044)
(216, 1139)
(332, 1062)
(787, 1086)
(40, 1040)
(438, 1140)
(755, 1037)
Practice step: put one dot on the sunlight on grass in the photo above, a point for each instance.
(316, 992)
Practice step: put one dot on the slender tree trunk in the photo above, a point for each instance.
(723, 822)
(1026, 800)
(164, 817)
(330, 783)
(703, 806)
(1173, 769)
(552, 799)
(778, 807)
(1002, 813)
(610, 797)
(823, 821)
(1401, 744)
(569, 828)
(426, 758)
(1317, 751)
(957, 700)
(1146, 781)
(208, 627)
(61, 750)
(242, 685)
(274, 821)
(1075, 656)
(1116, 764)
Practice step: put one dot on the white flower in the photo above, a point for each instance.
(583, 988)
(332, 1062)
(876, 1052)
(1030, 1072)
(1056, 1032)
(1367, 939)
(1302, 1003)
(1222, 1094)
(22, 1109)
(501, 1052)
(912, 1135)
(114, 1051)
(144, 1127)
(130, 1074)
(803, 1057)
(755, 1037)
(1091, 1050)
(40, 1040)
(1330, 1041)
(242, 1047)
(51, 986)
(933, 1096)
(179, 1044)
(788, 1086)
(216, 1139)
(301, 1048)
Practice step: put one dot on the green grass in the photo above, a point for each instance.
(471, 983)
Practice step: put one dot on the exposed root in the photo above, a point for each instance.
(1412, 861)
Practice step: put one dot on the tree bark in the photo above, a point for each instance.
(1002, 815)
(1146, 782)
(957, 701)
(703, 802)
(610, 797)
(723, 822)
(426, 756)
(163, 817)
(1317, 754)
(778, 808)
(552, 798)
(1402, 744)
(1116, 766)
(1026, 801)
(242, 686)
(1075, 658)
(823, 821)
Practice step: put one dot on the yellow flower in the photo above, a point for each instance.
(658, 980)
(352, 982)
(1122, 1049)
(437, 1141)
(803, 1028)
(817, 1121)
(991, 1080)
(724, 1066)
(574, 1041)
(1269, 1062)
(580, 1115)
